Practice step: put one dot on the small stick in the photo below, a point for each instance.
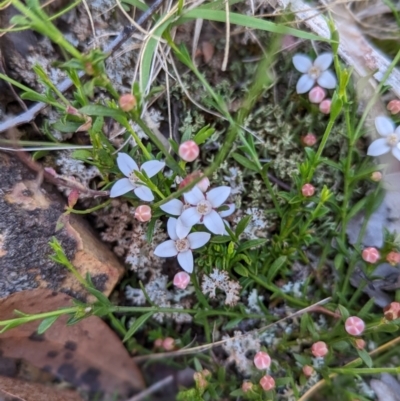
(116, 44)
(152, 389)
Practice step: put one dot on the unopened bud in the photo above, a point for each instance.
(316, 94)
(392, 311)
(394, 106)
(247, 386)
(309, 140)
(308, 370)
(308, 190)
(127, 102)
(143, 213)
(360, 343)
(168, 344)
(376, 176)
(393, 258)
(189, 151)
(73, 198)
(325, 106)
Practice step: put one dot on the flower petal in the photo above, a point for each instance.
(327, 80)
(194, 196)
(396, 152)
(121, 187)
(181, 230)
(302, 62)
(378, 147)
(174, 207)
(144, 193)
(197, 240)
(323, 61)
(218, 196)
(126, 164)
(213, 221)
(226, 213)
(166, 249)
(185, 259)
(304, 84)
(190, 217)
(171, 228)
(152, 167)
(384, 125)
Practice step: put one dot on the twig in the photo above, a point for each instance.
(116, 44)
(152, 389)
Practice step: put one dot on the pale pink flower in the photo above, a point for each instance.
(309, 140)
(319, 349)
(189, 151)
(393, 258)
(127, 102)
(143, 213)
(168, 343)
(267, 383)
(371, 254)
(317, 94)
(394, 106)
(325, 106)
(354, 325)
(392, 311)
(308, 370)
(181, 280)
(307, 190)
(262, 360)
(247, 386)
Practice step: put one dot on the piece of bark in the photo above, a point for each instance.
(88, 354)
(29, 212)
(18, 390)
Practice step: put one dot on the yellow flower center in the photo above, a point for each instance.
(314, 72)
(392, 139)
(204, 207)
(182, 245)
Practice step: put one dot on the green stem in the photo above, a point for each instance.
(365, 371)
(264, 176)
(70, 210)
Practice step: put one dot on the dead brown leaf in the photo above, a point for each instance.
(88, 354)
(18, 390)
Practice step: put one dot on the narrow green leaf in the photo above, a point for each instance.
(139, 322)
(247, 21)
(243, 223)
(220, 239)
(203, 134)
(241, 270)
(365, 357)
(46, 324)
(245, 162)
(275, 267)
(253, 243)
(102, 111)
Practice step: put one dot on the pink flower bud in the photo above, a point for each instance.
(325, 106)
(316, 94)
(309, 140)
(308, 370)
(376, 176)
(181, 280)
(267, 383)
(202, 185)
(262, 360)
(394, 106)
(158, 343)
(200, 380)
(72, 111)
(168, 344)
(360, 343)
(319, 349)
(392, 311)
(143, 213)
(371, 254)
(307, 190)
(127, 102)
(189, 151)
(247, 386)
(393, 258)
(73, 197)
(354, 325)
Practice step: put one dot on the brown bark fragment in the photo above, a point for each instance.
(29, 213)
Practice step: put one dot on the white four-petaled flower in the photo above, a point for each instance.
(390, 140)
(181, 247)
(203, 209)
(132, 183)
(175, 207)
(316, 71)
